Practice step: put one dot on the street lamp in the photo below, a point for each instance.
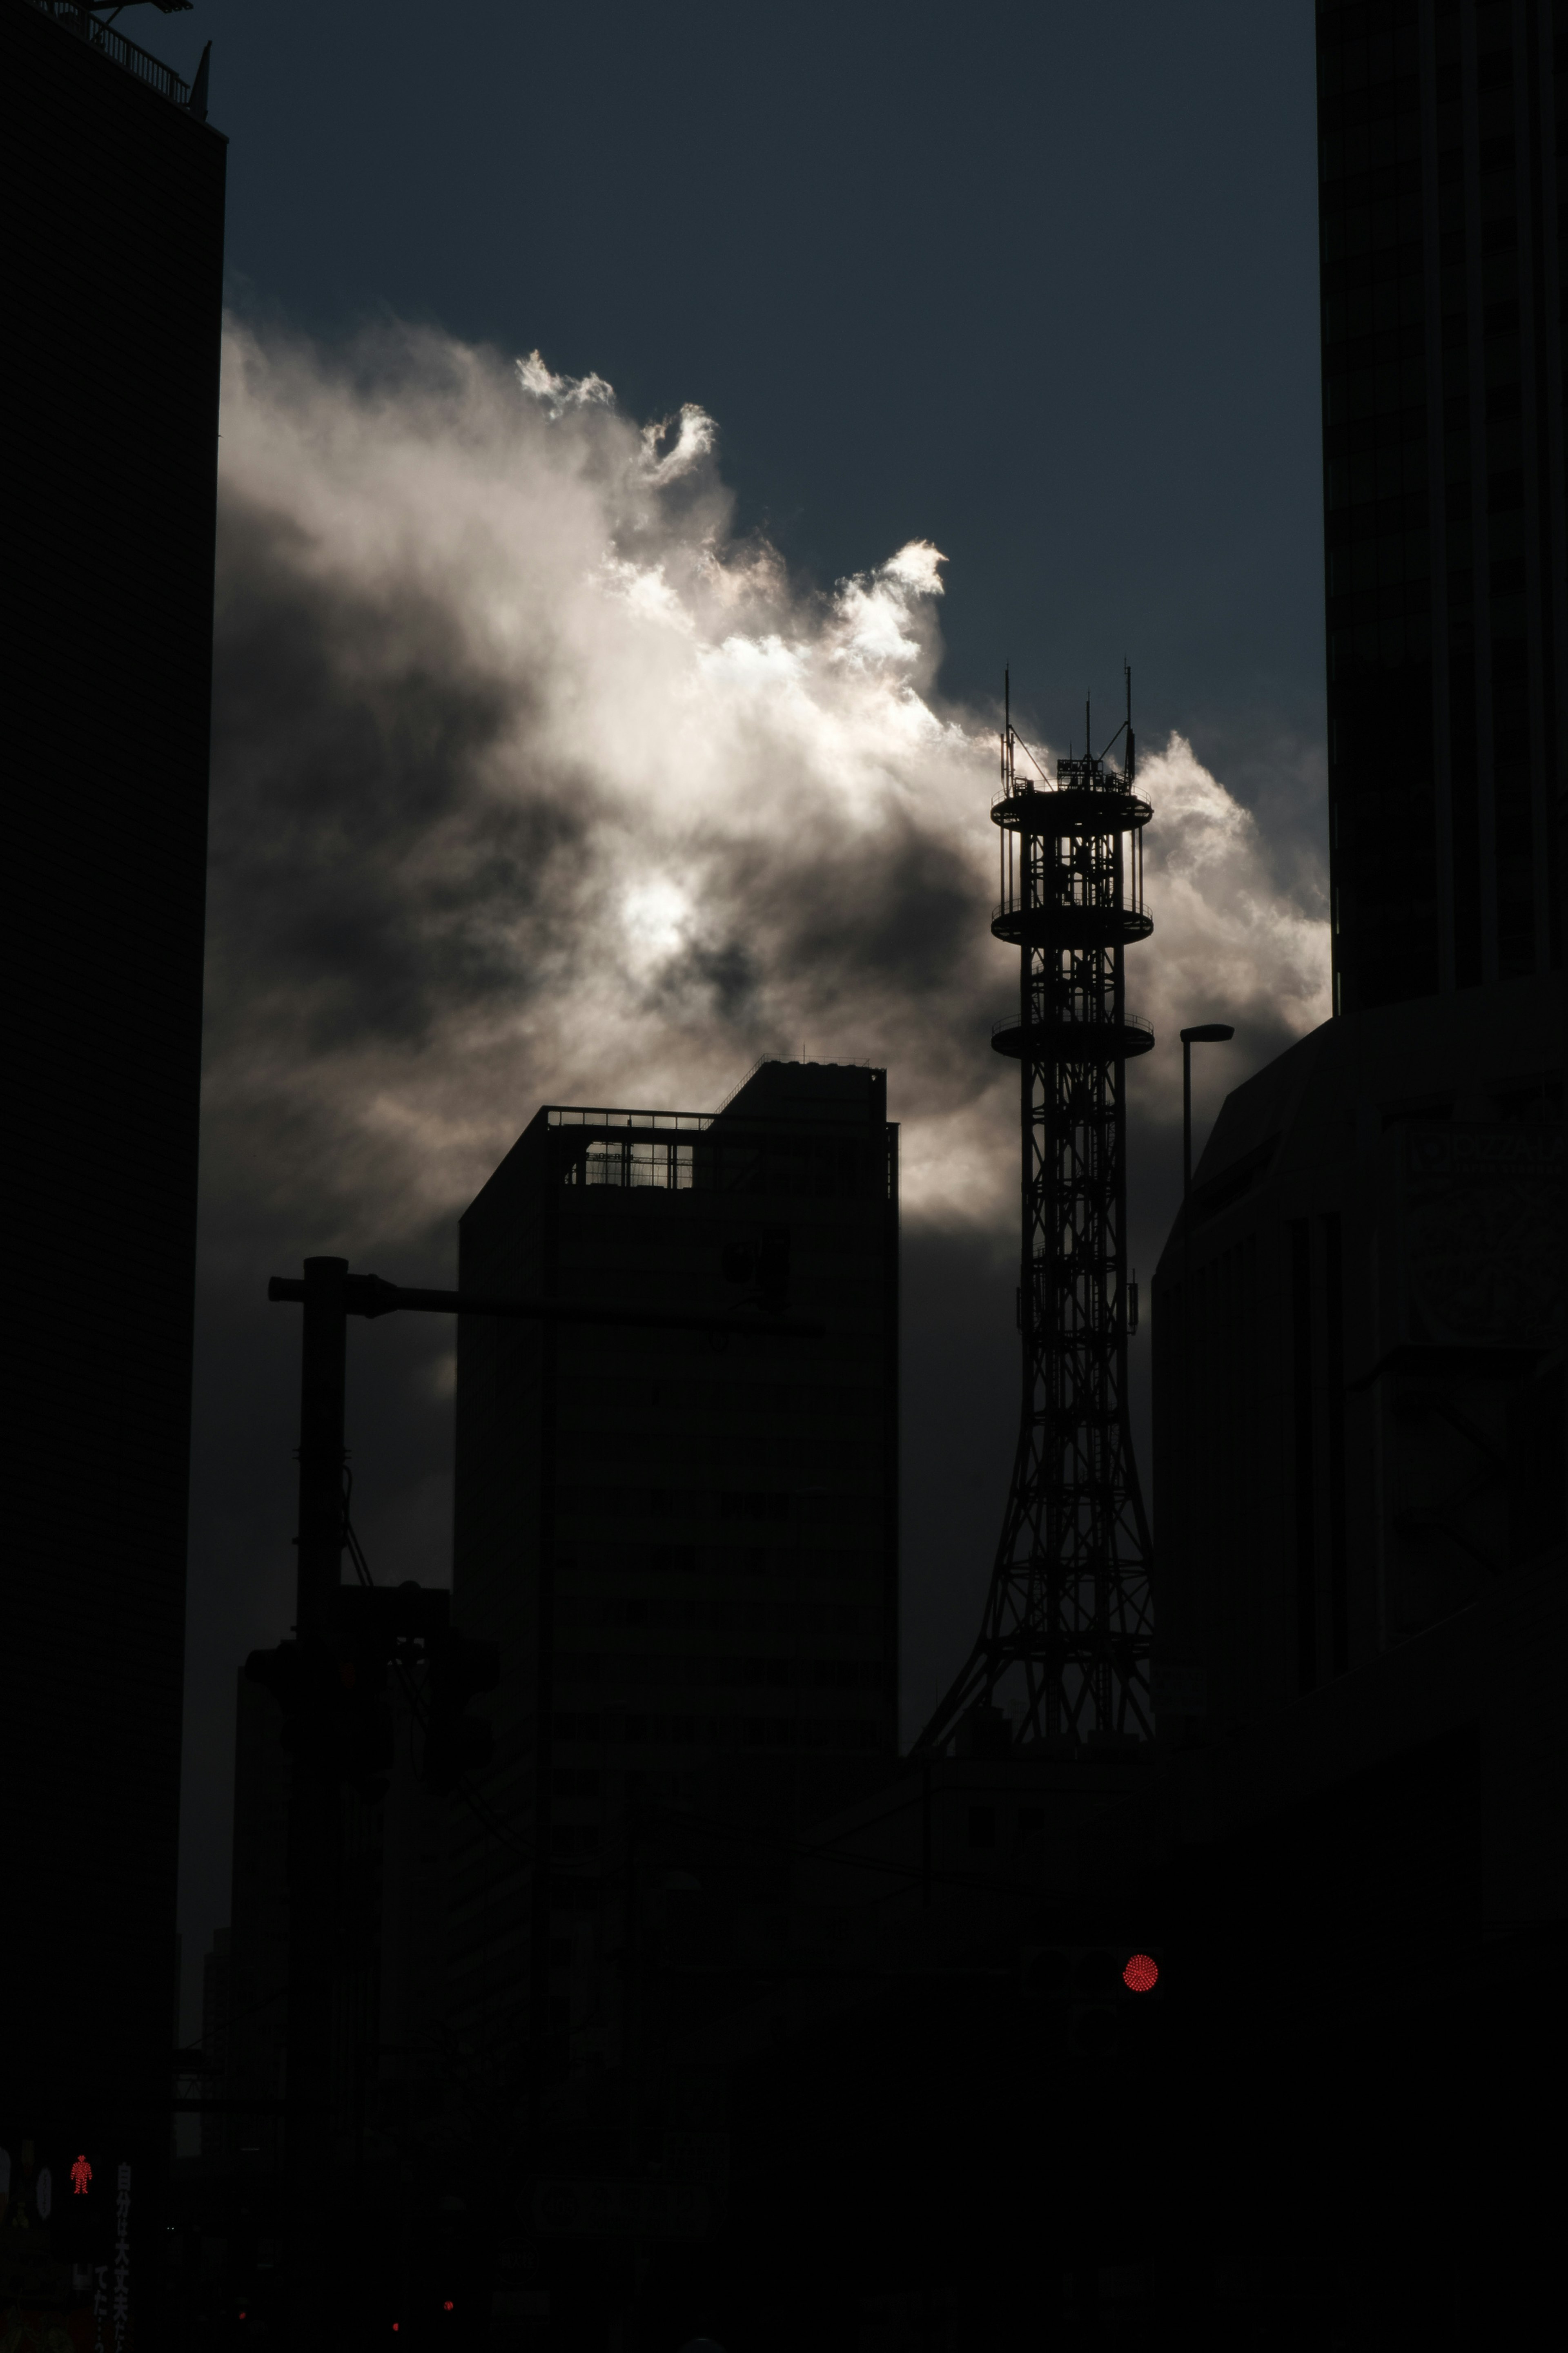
(1207, 1033)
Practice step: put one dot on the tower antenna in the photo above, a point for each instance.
(1067, 1631)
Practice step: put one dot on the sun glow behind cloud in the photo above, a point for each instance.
(534, 782)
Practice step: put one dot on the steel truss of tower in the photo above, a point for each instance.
(1065, 1645)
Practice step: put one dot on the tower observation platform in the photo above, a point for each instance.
(1064, 1648)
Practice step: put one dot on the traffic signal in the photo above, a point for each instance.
(1092, 1999)
(332, 1691)
(456, 1742)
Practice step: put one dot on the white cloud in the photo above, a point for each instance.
(665, 460)
(563, 392)
(533, 783)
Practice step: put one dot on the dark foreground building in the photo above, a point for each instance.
(114, 198)
(1439, 123)
(1359, 1410)
(1359, 1320)
(388, 2116)
(685, 1543)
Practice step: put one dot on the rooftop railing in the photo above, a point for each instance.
(123, 53)
(571, 1115)
(1069, 1022)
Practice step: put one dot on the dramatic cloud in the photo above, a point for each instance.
(533, 781)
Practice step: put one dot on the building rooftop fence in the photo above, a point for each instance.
(123, 53)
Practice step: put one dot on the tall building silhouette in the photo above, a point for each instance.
(686, 1546)
(1442, 357)
(1359, 1317)
(114, 188)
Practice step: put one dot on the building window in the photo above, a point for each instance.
(639, 1162)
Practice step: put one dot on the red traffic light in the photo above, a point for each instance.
(1142, 1973)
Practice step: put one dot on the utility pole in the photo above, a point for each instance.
(315, 1813)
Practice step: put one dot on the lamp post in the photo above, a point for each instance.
(1206, 1033)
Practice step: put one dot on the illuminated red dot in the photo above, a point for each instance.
(447, 2305)
(1142, 1973)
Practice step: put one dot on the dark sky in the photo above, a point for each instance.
(1036, 283)
(1034, 287)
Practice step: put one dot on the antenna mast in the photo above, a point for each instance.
(1067, 1631)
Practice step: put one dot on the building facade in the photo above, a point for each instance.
(114, 189)
(1356, 1315)
(1359, 1318)
(685, 1543)
(392, 2106)
(1439, 124)
(1357, 1346)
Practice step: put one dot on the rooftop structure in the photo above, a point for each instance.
(94, 23)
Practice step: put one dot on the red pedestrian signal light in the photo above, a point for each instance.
(1097, 2001)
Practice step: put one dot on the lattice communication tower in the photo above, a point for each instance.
(1064, 1648)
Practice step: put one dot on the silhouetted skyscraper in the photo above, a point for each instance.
(114, 198)
(686, 1545)
(1443, 389)
(1359, 1317)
